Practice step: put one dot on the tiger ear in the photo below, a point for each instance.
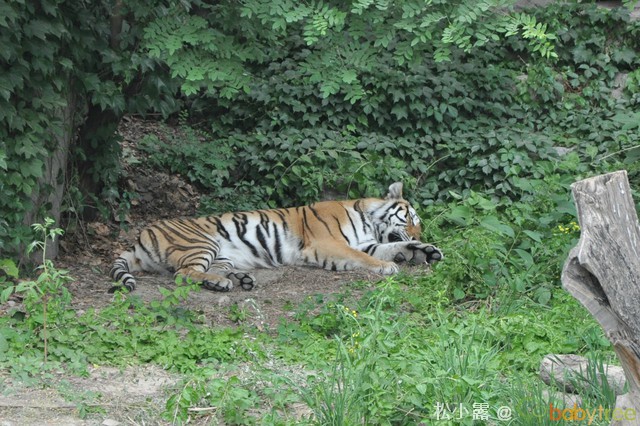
(395, 191)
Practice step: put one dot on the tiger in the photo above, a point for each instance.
(217, 252)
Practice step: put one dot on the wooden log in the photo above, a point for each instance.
(603, 273)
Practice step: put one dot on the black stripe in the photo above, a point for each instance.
(197, 257)
(264, 221)
(340, 229)
(190, 231)
(369, 247)
(282, 214)
(388, 209)
(192, 265)
(222, 231)
(326, 225)
(202, 246)
(363, 217)
(278, 244)
(395, 213)
(305, 223)
(153, 254)
(119, 275)
(240, 221)
(353, 225)
(263, 242)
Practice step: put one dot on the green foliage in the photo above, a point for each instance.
(45, 299)
(9, 272)
(398, 82)
(302, 130)
(61, 78)
(29, 97)
(227, 398)
(402, 353)
(405, 355)
(201, 161)
(298, 101)
(504, 246)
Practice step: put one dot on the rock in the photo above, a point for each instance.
(562, 151)
(224, 301)
(569, 373)
(619, 83)
(568, 400)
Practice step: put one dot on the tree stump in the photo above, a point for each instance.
(603, 273)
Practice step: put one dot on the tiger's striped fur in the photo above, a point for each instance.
(368, 233)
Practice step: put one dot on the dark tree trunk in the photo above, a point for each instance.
(51, 189)
(97, 156)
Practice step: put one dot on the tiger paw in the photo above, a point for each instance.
(423, 253)
(218, 285)
(388, 268)
(243, 279)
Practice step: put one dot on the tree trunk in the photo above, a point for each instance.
(603, 273)
(51, 188)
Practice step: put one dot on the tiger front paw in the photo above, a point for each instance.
(419, 253)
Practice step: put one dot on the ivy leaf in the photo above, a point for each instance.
(543, 295)
(9, 268)
(626, 55)
(460, 215)
(329, 88)
(66, 63)
(32, 168)
(349, 76)
(400, 111)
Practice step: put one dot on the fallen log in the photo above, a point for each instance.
(603, 273)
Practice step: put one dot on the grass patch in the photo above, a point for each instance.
(411, 350)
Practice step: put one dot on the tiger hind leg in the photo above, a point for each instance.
(121, 272)
(194, 264)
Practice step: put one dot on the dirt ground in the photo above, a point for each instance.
(135, 395)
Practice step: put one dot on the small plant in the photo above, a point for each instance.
(47, 297)
(220, 399)
(237, 313)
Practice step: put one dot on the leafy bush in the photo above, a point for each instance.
(299, 134)
(203, 162)
(501, 247)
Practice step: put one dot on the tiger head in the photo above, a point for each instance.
(396, 219)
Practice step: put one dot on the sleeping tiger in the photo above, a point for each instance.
(370, 233)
